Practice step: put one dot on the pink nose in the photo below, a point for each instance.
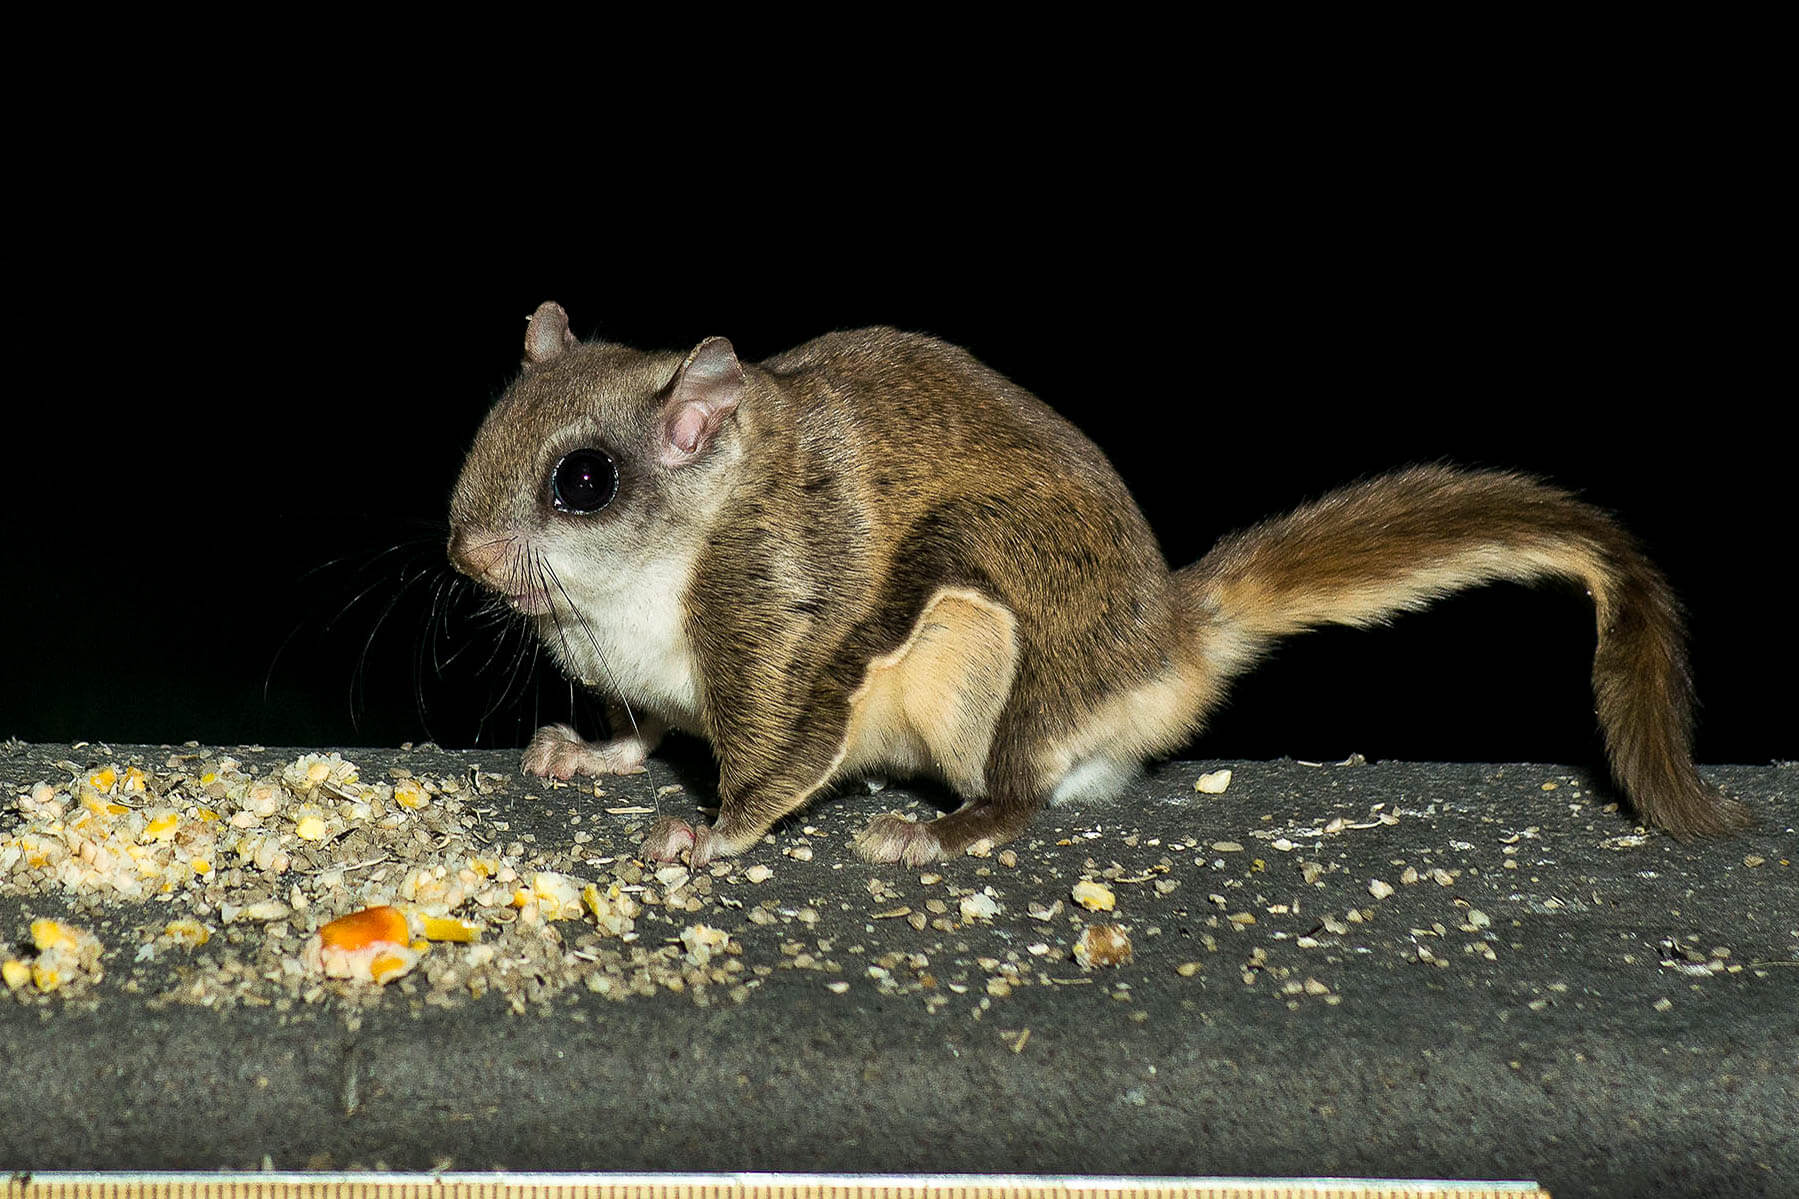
(478, 554)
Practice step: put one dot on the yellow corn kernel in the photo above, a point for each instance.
(201, 866)
(103, 779)
(449, 928)
(209, 778)
(161, 828)
(48, 934)
(409, 794)
(556, 896)
(384, 966)
(45, 975)
(1095, 897)
(187, 932)
(310, 828)
(135, 780)
(484, 867)
(205, 814)
(15, 973)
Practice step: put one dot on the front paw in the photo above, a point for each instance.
(558, 752)
(669, 839)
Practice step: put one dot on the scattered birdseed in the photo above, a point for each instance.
(1213, 782)
(213, 881)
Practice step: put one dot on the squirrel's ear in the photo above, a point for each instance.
(547, 334)
(702, 397)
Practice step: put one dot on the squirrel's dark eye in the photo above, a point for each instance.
(584, 481)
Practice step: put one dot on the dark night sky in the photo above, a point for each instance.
(257, 396)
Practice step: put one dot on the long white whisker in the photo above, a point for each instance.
(546, 575)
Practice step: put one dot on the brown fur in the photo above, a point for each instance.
(1368, 552)
(887, 558)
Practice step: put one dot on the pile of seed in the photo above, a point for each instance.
(204, 850)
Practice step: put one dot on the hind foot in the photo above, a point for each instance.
(893, 838)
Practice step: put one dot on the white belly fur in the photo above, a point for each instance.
(630, 640)
(1093, 779)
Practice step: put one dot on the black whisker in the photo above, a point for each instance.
(359, 675)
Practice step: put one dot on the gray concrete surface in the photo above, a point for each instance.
(1619, 1020)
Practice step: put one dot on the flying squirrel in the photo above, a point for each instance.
(873, 555)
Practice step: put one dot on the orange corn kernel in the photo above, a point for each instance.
(368, 927)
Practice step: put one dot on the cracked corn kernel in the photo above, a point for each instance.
(1094, 896)
(310, 828)
(703, 942)
(50, 934)
(448, 928)
(15, 973)
(187, 932)
(367, 927)
(161, 828)
(554, 896)
(390, 964)
(103, 779)
(614, 912)
(102, 807)
(371, 945)
(1213, 782)
(66, 954)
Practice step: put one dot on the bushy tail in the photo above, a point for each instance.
(1363, 554)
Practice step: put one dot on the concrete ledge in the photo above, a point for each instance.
(1617, 1019)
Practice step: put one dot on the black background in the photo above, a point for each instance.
(249, 380)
